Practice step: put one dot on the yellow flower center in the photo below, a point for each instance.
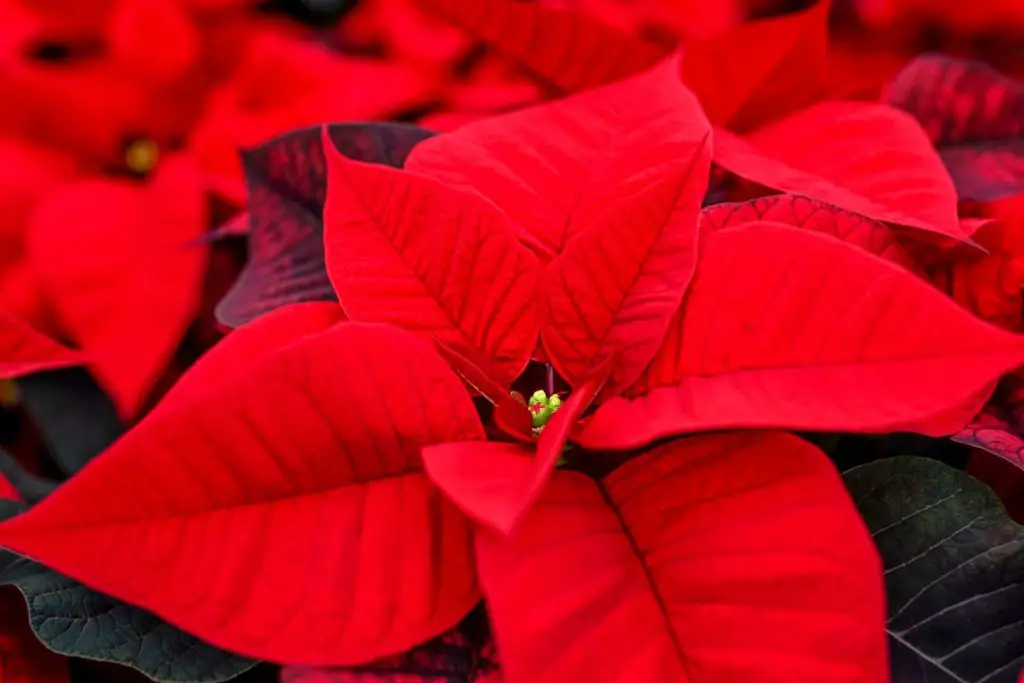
(141, 156)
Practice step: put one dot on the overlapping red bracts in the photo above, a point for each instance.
(324, 487)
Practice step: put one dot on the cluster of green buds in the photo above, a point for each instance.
(542, 407)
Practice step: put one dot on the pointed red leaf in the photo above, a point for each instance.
(729, 558)
(24, 351)
(297, 525)
(809, 214)
(568, 50)
(287, 184)
(407, 250)
(959, 100)
(250, 344)
(475, 369)
(123, 271)
(555, 168)
(867, 158)
(514, 419)
(759, 71)
(496, 483)
(823, 337)
(153, 40)
(23, 659)
(999, 428)
(7, 490)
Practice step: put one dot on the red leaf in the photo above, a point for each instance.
(475, 369)
(727, 558)
(568, 50)
(153, 40)
(287, 184)
(999, 428)
(866, 158)
(297, 525)
(959, 100)
(407, 250)
(124, 272)
(812, 215)
(496, 483)
(250, 344)
(7, 491)
(989, 283)
(24, 351)
(557, 167)
(23, 659)
(823, 337)
(760, 70)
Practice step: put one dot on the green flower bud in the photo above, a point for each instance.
(540, 413)
(555, 402)
(538, 397)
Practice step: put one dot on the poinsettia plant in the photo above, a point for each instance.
(528, 401)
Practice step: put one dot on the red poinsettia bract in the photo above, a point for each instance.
(301, 495)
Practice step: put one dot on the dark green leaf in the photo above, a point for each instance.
(29, 486)
(75, 417)
(954, 570)
(79, 622)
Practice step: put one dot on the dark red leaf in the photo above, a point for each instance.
(758, 71)
(555, 168)
(458, 656)
(812, 215)
(298, 525)
(568, 50)
(999, 428)
(824, 337)
(727, 558)
(496, 483)
(124, 272)
(986, 171)
(974, 114)
(287, 181)
(24, 351)
(959, 100)
(867, 158)
(407, 250)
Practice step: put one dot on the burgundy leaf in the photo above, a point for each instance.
(986, 171)
(974, 115)
(999, 428)
(959, 100)
(463, 655)
(809, 214)
(287, 184)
